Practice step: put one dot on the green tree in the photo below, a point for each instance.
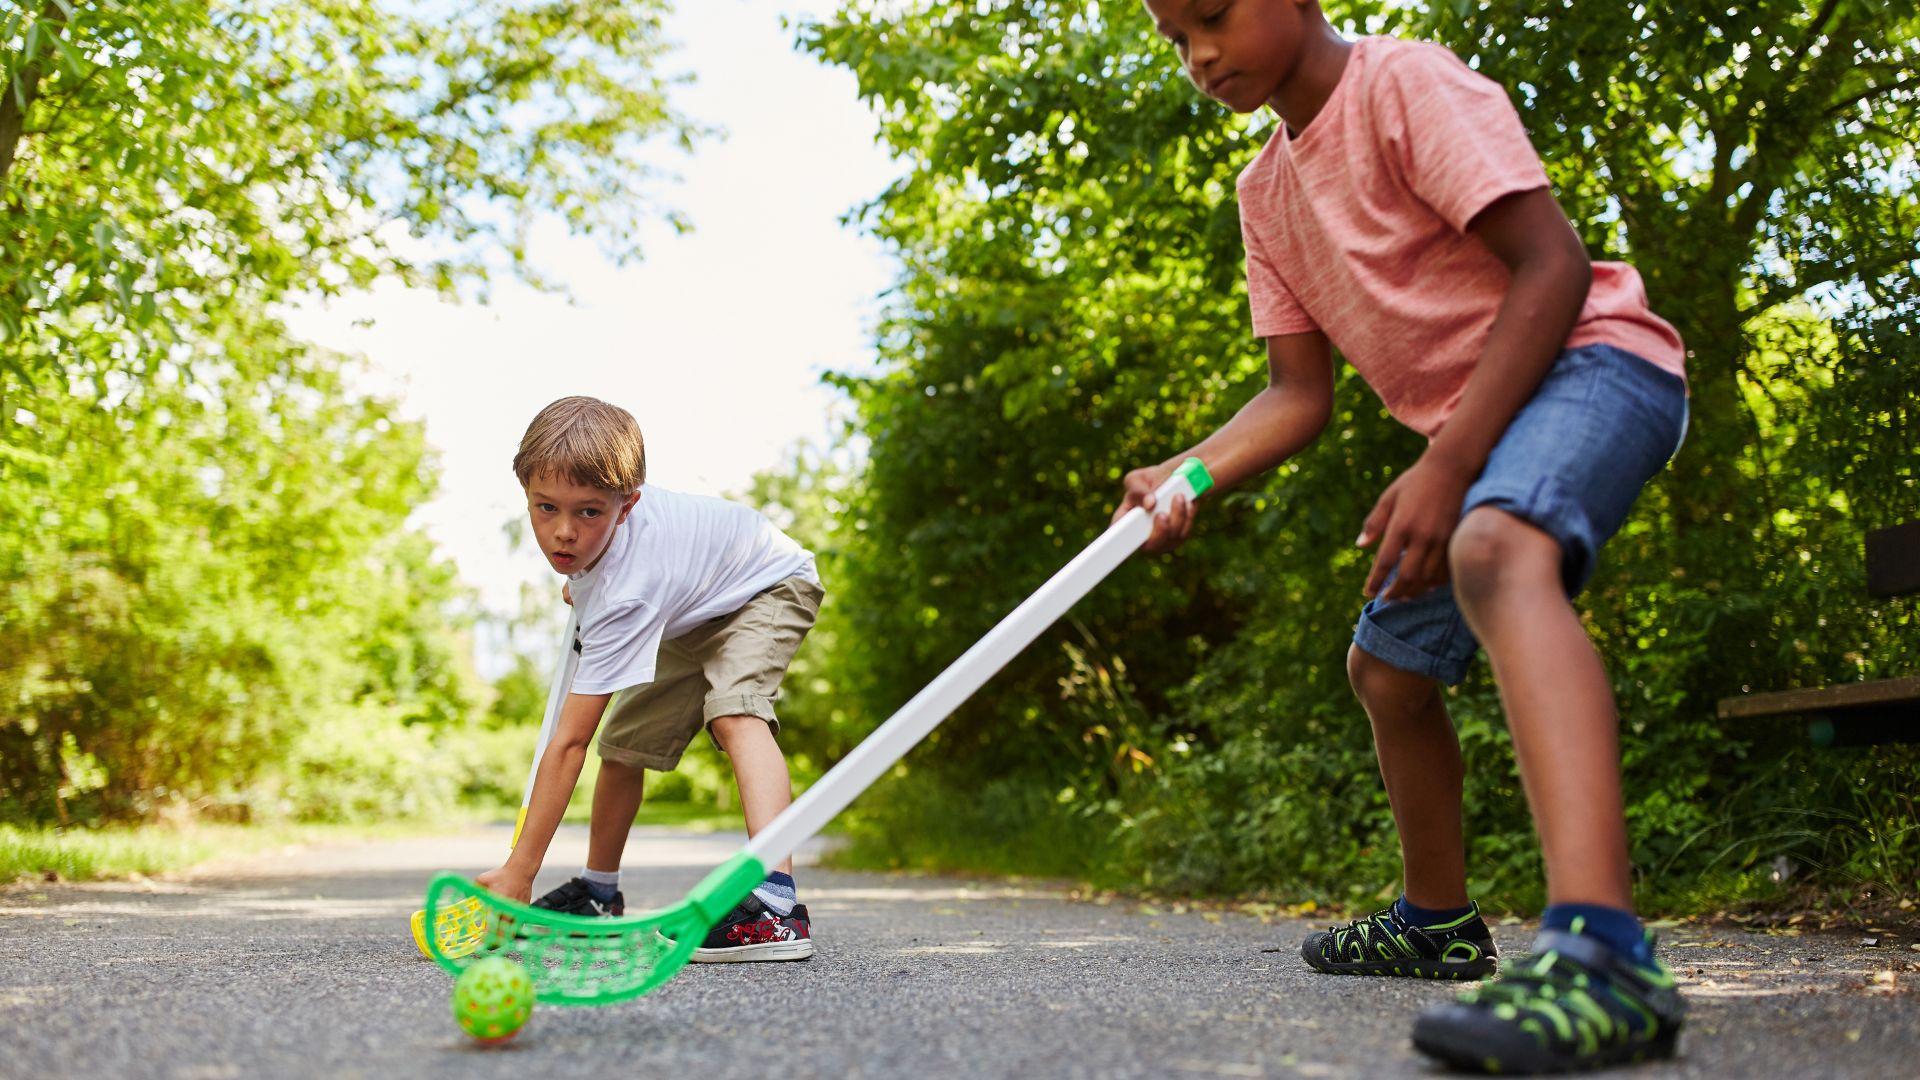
(167, 161)
(806, 496)
(213, 567)
(214, 595)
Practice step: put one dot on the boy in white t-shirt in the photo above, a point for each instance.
(690, 608)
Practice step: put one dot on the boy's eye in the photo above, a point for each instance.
(546, 508)
(590, 512)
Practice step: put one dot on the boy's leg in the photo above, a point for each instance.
(1420, 765)
(1558, 485)
(1559, 704)
(771, 923)
(745, 658)
(760, 770)
(1593, 993)
(616, 799)
(1560, 482)
(647, 727)
(1401, 654)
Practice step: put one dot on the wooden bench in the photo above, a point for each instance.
(1862, 713)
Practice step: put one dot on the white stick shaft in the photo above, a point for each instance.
(952, 687)
(563, 669)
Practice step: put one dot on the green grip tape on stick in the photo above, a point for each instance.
(1195, 472)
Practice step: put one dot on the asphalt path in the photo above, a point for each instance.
(298, 963)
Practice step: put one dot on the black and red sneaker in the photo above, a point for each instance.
(576, 898)
(751, 933)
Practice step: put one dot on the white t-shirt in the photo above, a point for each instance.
(677, 561)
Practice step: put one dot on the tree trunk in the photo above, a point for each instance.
(17, 98)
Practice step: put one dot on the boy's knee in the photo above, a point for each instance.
(1359, 670)
(1389, 694)
(619, 770)
(729, 730)
(1380, 686)
(1492, 549)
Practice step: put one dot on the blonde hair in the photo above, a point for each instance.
(588, 442)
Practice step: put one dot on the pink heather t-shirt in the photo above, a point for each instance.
(1357, 227)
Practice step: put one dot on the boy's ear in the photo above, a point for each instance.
(627, 507)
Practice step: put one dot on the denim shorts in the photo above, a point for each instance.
(1571, 463)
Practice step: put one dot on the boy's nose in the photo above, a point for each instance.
(1202, 56)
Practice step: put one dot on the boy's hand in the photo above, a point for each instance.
(1169, 529)
(1414, 518)
(508, 882)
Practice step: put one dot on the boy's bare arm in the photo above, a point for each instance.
(1550, 273)
(552, 787)
(1280, 420)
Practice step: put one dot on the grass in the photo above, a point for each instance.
(118, 852)
(93, 854)
(999, 830)
(703, 818)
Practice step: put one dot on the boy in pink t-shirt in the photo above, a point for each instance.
(1399, 212)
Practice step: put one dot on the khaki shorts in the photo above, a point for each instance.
(728, 666)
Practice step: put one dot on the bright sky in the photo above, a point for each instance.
(715, 342)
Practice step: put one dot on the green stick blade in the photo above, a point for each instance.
(573, 959)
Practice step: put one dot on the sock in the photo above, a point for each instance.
(1619, 930)
(1425, 917)
(603, 885)
(777, 892)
